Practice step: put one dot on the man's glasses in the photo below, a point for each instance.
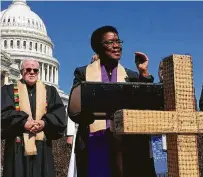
(110, 43)
(30, 69)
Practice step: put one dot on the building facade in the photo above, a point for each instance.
(23, 36)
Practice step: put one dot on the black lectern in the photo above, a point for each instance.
(98, 100)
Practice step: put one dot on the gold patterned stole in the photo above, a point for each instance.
(24, 103)
(93, 73)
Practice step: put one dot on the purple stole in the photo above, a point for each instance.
(98, 145)
(105, 78)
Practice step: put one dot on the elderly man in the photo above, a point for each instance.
(32, 115)
(98, 152)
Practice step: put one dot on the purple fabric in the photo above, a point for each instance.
(98, 150)
(98, 133)
(99, 157)
(106, 79)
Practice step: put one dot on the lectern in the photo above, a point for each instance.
(97, 100)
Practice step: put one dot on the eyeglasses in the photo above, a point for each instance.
(111, 42)
(30, 69)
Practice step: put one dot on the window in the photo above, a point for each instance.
(13, 19)
(8, 20)
(5, 44)
(30, 47)
(18, 44)
(4, 20)
(24, 44)
(33, 22)
(45, 47)
(11, 44)
(40, 47)
(28, 22)
(36, 46)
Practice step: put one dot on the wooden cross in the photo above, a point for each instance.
(179, 120)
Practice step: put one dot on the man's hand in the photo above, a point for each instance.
(29, 124)
(141, 61)
(37, 126)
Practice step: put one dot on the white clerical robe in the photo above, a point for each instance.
(72, 131)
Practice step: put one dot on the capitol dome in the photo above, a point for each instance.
(19, 15)
(24, 36)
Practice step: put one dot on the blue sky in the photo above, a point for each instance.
(157, 28)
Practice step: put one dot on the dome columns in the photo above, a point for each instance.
(47, 76)
(48, 73)
(52, 74)
(42, 73)
(56, 75)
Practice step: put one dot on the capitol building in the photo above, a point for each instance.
(23, 36)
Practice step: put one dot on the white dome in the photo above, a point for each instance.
(24, 36)
(19, 15)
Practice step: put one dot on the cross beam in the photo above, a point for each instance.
(178, 121)
(158, 122)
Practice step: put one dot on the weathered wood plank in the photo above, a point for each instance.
(158, 122)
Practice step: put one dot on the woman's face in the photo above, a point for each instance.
(112, 46)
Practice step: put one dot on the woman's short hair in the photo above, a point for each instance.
(97, 36)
